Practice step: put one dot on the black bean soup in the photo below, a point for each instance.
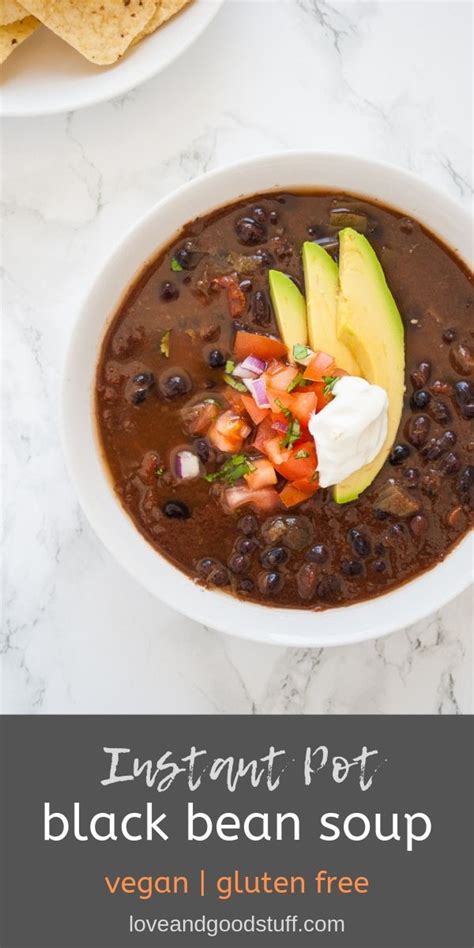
(166, 351)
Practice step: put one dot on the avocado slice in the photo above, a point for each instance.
(369, 323)
(290, 310)
(321, 279)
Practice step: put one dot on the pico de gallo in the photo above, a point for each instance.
(272, 456)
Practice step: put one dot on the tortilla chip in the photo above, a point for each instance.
(99, 29)
(11, 11)
(165, 9)
(15, 33)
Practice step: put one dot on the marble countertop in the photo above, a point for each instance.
(386, 80)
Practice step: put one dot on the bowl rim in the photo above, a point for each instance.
(375, 617)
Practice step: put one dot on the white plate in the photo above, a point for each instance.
(354, 623)
(46, 75)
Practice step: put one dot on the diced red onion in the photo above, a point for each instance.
(258, 392)
(241, 373)
(280, 426)
(186, 465)
(250, 368)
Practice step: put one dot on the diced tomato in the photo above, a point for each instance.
(307, 485)
(235, 296)
(257, 414)
(235, 399)
(229, 432)
(290, 496)
(263, 347)
(263, 475)
(266, 499)
(299, 467)
(321, 365)
(300, 404)
(280, 379)
(198, 418)
(265, 433)
(304, 404)
(275, 452)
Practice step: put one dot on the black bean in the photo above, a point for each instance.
(219, 576)
(274, 557)
(447, 440)
(449, 335)
(266, 258)
(203, 450)
(261, 308)
(318, 553)
(431, 482)
(205, 566)
(169, 292)
(138, 396)
(329, 588)
(175, 383)
(380, 566)
(420, 376)
(246, 545)
(248, 525)
(316, 230)
(216, 359)
(450, 464)
(419, 525)
(351, 567)
(187, 257)
(250, 231)
(176, 510)
(246, 286)
(462, 359)
(238, 563)
(379, 548)
(440, 411)
(399, 454)
(411, 476)
(246, 585)
(466, 480)
(361, 545)
(396, 531)
(420, 399)
(144, 379)
(418, 429)
(464, 394)
(307, 579)
(273, 217)
(259, 214)
(270, 583)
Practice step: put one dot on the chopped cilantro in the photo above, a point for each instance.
(229, 366)
(286, 411)
(232, 470)
(299, 379)
(165, 344)
(175, 265)
(301, 454)
(329, 383)
(239, 386)
(301, 352)
(292, 434)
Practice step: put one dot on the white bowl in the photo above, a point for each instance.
(46, 75)
(352, 623)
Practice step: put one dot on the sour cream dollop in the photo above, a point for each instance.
(350, 431)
